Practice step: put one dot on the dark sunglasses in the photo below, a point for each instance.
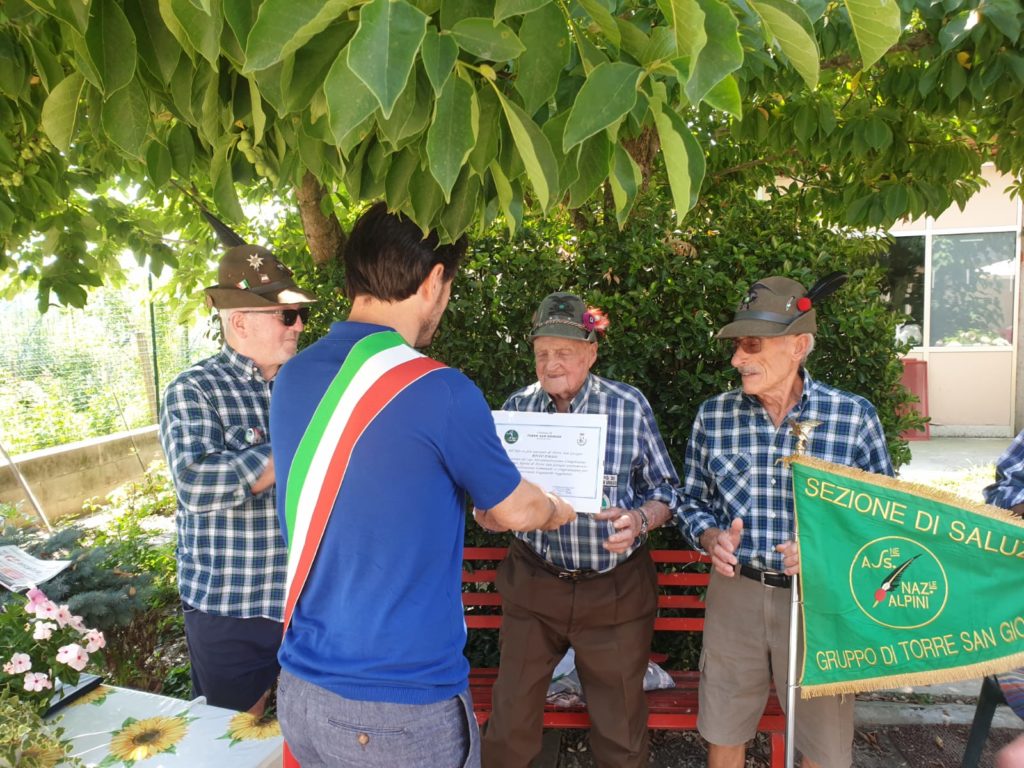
(288, 316)
(750, 345)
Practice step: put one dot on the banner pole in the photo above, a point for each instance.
(794, 616)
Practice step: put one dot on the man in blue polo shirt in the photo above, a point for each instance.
(377, 448)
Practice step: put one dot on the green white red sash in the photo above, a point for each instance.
(377, 369)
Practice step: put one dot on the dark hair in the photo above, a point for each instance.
(388, 258)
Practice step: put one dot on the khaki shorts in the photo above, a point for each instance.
(746, 646)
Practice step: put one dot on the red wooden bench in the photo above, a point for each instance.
(680, 609)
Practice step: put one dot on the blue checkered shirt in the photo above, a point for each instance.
(1008, 489)
(637, 468)
(214, 431)
(733, 469)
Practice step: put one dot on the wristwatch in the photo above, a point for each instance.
(644, 523)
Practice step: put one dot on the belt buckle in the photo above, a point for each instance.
(568, 575)
(780, 577)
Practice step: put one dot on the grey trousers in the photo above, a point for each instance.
(324, 729)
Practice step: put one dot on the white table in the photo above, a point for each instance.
(120, 727)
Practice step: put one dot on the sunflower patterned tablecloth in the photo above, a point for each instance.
(113, 727)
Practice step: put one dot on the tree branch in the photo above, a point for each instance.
(324, 234)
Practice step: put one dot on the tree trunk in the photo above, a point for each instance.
(324, 234)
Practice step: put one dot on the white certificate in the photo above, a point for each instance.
(560, 452)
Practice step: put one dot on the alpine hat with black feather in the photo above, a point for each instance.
(249, 275)
(778, 306)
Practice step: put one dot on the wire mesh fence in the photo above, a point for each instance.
(72, 374)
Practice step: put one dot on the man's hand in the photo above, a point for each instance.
(722, 545)
(627, 527)
(561, 513)
(790, 557)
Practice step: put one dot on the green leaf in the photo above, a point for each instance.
(953, 32)
(384, 48)
(396, 184)
(426, 198)
(158, 50)
(60, 111)
(670, 133)
(876, 25)
(506, 199)
(877, 134)
(349, 101)
(806, 122)
(726, 97)
(606, 97)
(224, 195)
(304, 73)
(721, 56)
(534, 150)
(202, 30)
(457, 216)
(126, 118)
(488, 131)
(659, 47)
(505, 8)
(110, 43)
(438, 54)
(182, 150)
(788, 24)
(452, 134)
(284, 26)
(687, 20)
(604, 20)
(546, 38)
(240, 16)
(593, 166)
(487, 40)
(46, 64)
(625, 182)
(1004, 15)
(158, 164)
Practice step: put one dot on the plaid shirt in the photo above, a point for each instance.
(1008, 489)
(214, 431)
(637, 468)
(733, 469)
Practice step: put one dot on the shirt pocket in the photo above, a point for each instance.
(235, 438)
(731, 473)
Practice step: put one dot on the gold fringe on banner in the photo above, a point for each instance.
(970, 672)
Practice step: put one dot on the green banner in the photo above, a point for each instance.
(903, 584)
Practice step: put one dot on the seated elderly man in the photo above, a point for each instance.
(589, 584)
(737, 506)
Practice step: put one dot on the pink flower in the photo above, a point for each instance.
(595, 320)
(36, 598)
(20, 662)
(36, 681)
(46, 609)
(94, 640)
(63, 616)
(77, 623)
(43, 630)
(73, 655)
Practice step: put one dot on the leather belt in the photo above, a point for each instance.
(580, 574)
(768, 578)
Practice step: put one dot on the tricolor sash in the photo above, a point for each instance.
(376, 370)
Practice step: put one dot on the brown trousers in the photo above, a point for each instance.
(608, 620)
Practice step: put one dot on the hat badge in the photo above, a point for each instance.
(255, 261)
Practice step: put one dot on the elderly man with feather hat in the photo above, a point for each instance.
(214, 428)
(591, 583)
(738, 507)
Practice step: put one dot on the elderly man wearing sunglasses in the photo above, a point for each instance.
(737, 506)
(214, 428)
